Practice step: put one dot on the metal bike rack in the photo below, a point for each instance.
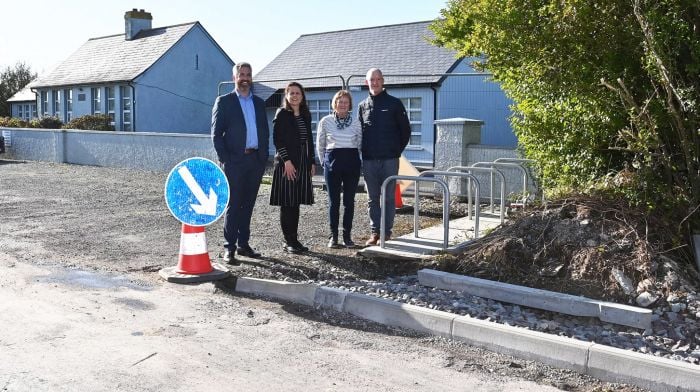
(445, 207)
(510, 165)
(469, 194)
(477, 210)
(521, 161)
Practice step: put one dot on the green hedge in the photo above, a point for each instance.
(94, 122)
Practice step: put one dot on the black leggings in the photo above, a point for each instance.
(289, 219)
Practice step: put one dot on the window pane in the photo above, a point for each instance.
(414, 116)
(415, 103)
(404, 101)
(127, 117)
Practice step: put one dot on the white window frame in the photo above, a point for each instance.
(68, 103)
(20, 113)
(44, 103)
(318, 111)
(110, 102)
(96, 99)
(56, 97)
(125, 94)
(414, 107)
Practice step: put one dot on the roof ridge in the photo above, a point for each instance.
(368, 28)
(155, 28)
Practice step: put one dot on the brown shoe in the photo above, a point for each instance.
(373, 239)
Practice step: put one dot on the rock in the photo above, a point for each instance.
(672, 298)
(644, 285)
(675, 308)
(645, 299)
(591, 243)
(624, 282)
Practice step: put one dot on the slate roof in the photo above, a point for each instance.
(23, 95)
(113, 58)
(395, 49)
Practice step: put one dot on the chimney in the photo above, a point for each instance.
(135, 21)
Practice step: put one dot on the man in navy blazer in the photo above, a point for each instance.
(240, 134)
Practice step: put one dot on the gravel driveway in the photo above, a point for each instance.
(115, 220)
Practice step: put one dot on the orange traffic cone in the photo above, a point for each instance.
(194, 258)
(397, 198)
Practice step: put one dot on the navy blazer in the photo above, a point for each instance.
(228, 129)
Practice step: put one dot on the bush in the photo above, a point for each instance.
(95, 122)
(11, 122)
(47, 123)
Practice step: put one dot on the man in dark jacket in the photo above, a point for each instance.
(386, 131)
(240, 134)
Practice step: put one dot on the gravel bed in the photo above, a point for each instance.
(671, 326)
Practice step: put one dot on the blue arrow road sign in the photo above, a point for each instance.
(196, 192)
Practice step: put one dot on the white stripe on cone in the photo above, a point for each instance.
(193, 243)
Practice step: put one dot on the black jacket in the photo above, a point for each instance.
(285, 136)
(386, 129)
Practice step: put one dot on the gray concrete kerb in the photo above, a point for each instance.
(541, 299)
(603, 362)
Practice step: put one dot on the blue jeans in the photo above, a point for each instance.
(375, 171)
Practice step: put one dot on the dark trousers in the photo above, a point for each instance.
(341, 170)
(289, 219)
(244, 179)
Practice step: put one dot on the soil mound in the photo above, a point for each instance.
(598, 248)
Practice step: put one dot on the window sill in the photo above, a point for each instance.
(414, 148)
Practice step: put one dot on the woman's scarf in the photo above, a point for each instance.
(342, 123)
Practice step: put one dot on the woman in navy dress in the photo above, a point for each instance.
(294, 163)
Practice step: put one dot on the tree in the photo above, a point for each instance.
(13, 79)
(606, 92)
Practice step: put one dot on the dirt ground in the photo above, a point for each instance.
(58, 222)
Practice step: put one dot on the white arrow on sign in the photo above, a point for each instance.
(207, 205)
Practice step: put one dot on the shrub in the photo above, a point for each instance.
(47, 123)
(11, 122)
(95, 122)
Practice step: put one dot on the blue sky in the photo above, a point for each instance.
(42, 33)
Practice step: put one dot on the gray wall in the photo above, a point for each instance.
(140, 150)
(459, 144)
(177, 93)
(480, 98)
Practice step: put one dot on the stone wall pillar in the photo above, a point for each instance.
(453, 137)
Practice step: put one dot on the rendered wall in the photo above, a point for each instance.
(478, 98)
(177, 93)
(141, 150)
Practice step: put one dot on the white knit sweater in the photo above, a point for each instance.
(329, 137)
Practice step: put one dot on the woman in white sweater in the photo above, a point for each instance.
(338, 143)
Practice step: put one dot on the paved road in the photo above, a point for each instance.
(70, 330)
